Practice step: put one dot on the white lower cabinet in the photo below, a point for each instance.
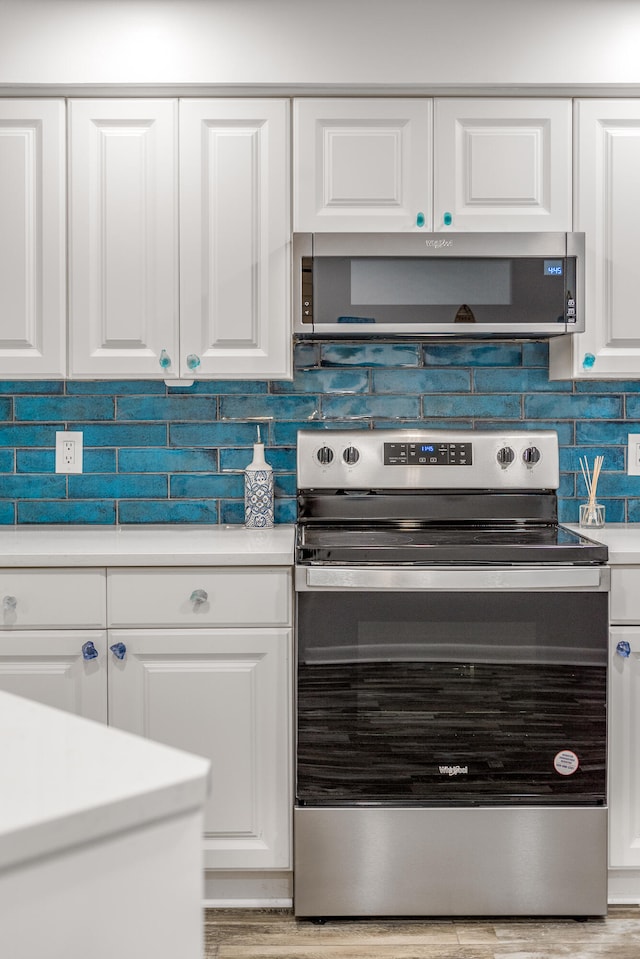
(624, 720)
(222, 694)
(196, 658)
(624, 750)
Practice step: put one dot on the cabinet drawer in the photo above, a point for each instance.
(625, 594)
(52, 598)
(199, 596)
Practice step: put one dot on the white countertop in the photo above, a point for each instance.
(146, 546)
(623, 540)
(65, 780)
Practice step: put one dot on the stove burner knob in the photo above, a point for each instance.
(531, 456)
(505, 456)
(324, 455)
(351, 455)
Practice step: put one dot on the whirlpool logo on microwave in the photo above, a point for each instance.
(438, 244)
(453, 770)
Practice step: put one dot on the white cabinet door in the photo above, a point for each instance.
(608, 212)
(362, 164)
(502, 164)
(32, 239)
(223, 694)
(624, 750)
(49, 666)
(123, 238)
(235, 235)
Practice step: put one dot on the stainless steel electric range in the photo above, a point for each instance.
(451, 680)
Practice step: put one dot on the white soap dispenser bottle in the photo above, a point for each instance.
(258, 490)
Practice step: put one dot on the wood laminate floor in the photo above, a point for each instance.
(276, 934)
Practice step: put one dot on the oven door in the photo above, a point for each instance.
(451, 687)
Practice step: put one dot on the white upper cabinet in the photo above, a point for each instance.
(179, 269)
(362, 164)
(502, 164)
(32, 238)
(608, 212)
(235, 235)
(374, 164)
(123, 237)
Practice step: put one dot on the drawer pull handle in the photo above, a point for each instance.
(623, 649)
(199, 596)
(9, 602)
(89, 651)
(119, 650)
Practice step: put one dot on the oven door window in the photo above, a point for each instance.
(442, 291)
(446, 697)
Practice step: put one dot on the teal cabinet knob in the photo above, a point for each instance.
(589, 361)
(420, 221)
(165, 360)
(447, 219)
(9, 603)
(193, 361)
(199, 596)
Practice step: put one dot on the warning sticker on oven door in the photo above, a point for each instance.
(566, 762)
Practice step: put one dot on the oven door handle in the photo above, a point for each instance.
(528, 578)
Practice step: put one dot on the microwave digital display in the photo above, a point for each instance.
(553, 268)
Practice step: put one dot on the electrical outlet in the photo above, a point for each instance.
(69, 452)
(633, 454)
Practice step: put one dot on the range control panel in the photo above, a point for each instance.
(427, 459)
(428, 454)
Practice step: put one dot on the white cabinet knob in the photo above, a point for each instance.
(199, 596)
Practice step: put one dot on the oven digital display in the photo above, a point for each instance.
(428, 454)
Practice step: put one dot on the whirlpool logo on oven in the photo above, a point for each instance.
(453, 770)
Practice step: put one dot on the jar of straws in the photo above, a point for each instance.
(591, 512)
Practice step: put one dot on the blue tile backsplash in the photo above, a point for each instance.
(158, 454)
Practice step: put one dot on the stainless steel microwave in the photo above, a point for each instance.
(438, 284)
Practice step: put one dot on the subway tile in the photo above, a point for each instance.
(232, 511)
(218, 387)
(360, 407)
(280, 458)
(117, 486)
(324, 381)
(114, 387)
(32, 486)
(370, 354)
(425, 424)
(472, 354)
(7, 513)
(517, 381)
(62, 409)
(615, 484)
(6, 412)
(492, 406)
(286, 434)
(7, 461)
(167, 511)
(565, 406)
(569, 511)
(608, 386)
(268, 407)
(421, 381)
(633, 406)
(611, 433)
(211, 486)
(535, 353)
(99, 512)
(169, 408)
(306, 355)
(27, 436)
(122, 434)
(15, 387)
(633, 510)
(210, 435)
(150, 460)
(564, 430)
(44, 461)
(614, 457)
